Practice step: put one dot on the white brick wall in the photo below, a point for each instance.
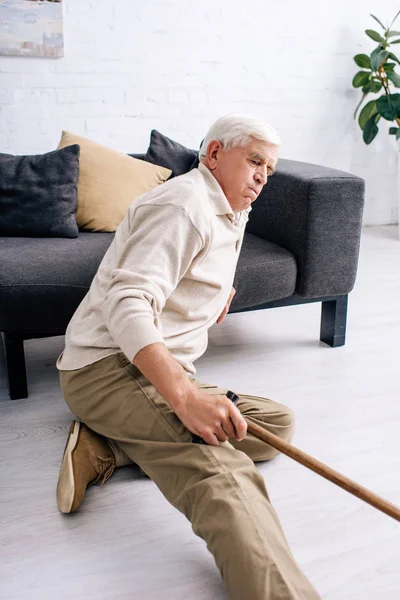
(176, 65)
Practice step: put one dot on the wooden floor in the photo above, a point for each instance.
(128, 543)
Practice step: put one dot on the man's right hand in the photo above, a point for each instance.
(214, 418)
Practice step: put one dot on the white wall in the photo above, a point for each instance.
(131, 66)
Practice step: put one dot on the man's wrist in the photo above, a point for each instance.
(177, 396)
(165, 373)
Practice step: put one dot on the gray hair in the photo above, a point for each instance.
(236, 131)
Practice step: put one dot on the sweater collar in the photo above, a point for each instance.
(218, 199)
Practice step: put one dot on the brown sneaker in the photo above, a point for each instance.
(87, 459)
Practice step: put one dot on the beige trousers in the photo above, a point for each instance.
(218, 488)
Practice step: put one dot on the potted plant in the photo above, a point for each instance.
(378, 74)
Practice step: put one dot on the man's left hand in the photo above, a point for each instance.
(227, 305)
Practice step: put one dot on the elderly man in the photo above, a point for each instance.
(127, 368)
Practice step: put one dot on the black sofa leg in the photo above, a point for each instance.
(15, 361)
(333, 321)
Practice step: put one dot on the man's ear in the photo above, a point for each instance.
(213, 151)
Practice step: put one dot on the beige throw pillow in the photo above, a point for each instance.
(108, 182)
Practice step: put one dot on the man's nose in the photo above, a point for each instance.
(261, 176)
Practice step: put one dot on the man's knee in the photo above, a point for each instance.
(286, 424)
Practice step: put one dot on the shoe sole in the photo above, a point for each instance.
(66, 480)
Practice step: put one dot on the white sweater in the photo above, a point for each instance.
(165, 278)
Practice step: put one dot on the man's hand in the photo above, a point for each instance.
(227, 305)
(213, 418)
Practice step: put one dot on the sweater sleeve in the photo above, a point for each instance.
(160, 248)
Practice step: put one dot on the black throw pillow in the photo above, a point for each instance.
(38, 194)
(170, 154)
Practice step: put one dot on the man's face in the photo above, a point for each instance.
(242, 172)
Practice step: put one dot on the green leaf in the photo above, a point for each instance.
(393, 33)
(378, 21)
(367, 112)
(394, 78)
(395, 42)
(389, 66)
(371, 129)
(389, 106)
(378, 56)
(360, 78)
(372, 86)
(376, 86)
(363, 61)
(374, 35)
(394, 57)
(397, 14)
(395, 131)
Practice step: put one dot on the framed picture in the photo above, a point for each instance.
(31, 28)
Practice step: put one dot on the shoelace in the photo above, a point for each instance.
(109, 466)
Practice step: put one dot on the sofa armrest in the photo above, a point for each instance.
(316, 214)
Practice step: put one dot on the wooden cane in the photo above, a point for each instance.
(322, 469)
(315, 465)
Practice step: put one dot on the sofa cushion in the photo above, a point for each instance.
(170, 154)
(108, 182)
(265, 272)
(44, 296)
(38, 193)
(42, 291)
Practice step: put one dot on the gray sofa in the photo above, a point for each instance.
(301, 245)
